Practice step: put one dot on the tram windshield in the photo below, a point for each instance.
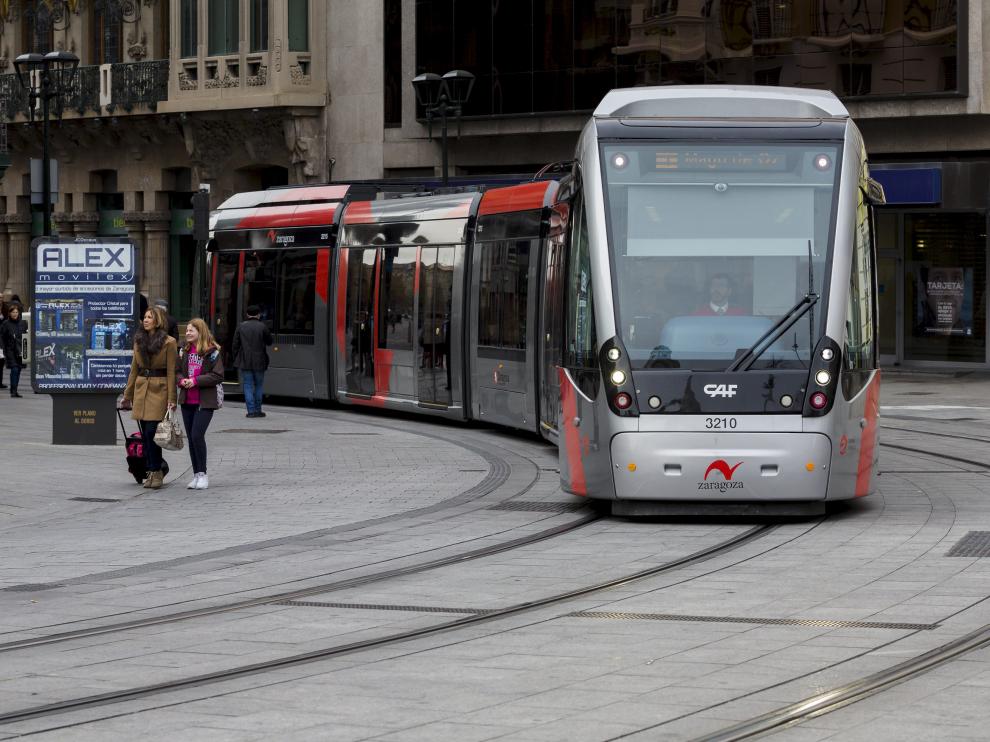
(712, 244)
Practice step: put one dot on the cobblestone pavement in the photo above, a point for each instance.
(809, 606)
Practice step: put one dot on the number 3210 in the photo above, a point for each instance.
(720, 423)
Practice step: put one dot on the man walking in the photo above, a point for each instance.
(250, 351)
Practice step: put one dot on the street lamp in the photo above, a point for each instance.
(443, 97)
(45, 76)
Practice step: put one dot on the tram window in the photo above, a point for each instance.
(395, 298)
(859, 342)
(259, 283)
(297, 292)
(225, 305)
(503, 291)
(580, 333)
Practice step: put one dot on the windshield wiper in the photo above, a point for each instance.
(768, 338)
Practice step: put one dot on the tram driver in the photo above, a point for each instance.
(719, 299)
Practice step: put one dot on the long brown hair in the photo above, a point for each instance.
(206, 341)
(150, 343)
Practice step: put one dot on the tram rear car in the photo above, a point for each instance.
(721, 315)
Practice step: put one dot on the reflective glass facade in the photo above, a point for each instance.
(535, 56)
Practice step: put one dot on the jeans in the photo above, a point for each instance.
(152, 451)
(252, 383)
(15, 378)
(197, 420)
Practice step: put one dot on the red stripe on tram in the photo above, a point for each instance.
(572, 438)
(359, 212)
(515, 198)
(323, 274)
(868, 441)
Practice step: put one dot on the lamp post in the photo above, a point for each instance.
(443, 97)
(45, 76)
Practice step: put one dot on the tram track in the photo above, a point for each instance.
(752, 534)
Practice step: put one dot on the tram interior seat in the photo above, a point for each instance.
(712, 338)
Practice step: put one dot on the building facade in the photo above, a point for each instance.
(169, 94)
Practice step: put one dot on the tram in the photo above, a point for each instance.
(689, 314)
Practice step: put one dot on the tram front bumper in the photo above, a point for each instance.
(721, 467)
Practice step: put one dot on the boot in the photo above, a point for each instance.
(156, 480)
(147, 480)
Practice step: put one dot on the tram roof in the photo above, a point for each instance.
(285, 196)
(720, 101)
(415, 209)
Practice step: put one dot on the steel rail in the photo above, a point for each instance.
(111, 697)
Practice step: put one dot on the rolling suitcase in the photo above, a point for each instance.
(134, 445)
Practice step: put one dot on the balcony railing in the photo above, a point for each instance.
(137, 83)
(13, 98)
(85, 92)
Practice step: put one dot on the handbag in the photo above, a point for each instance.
(168, 434)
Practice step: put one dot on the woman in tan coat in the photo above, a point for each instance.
(151, 388)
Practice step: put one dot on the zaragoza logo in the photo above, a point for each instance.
(721, 466)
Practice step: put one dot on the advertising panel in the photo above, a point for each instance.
(83, 315)
(945, 301)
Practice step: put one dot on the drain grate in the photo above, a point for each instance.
(350, 433)
(30, 587)
(540, 507)
(253, 431)
(812, 622)
(93, 499)
(377, 607)
(973, 544)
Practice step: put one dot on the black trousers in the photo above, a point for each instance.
(197, 420)
(152, 451)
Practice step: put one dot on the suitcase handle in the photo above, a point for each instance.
(122, 428)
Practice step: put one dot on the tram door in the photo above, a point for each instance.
(552, 320)
(227, 269)
(436, 286)
(395, 356)
(359, 356)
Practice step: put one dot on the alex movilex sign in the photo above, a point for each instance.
(84, 263)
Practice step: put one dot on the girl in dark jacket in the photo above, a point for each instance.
(11, 331)
(200, 377)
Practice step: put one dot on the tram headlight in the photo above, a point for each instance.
(620, 160)
(818, 400)
(613, 354)
(823, 162)
(827, 354)
(622, 401)
(618, 377)
(823, 377)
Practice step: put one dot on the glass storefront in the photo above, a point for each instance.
(564, 55)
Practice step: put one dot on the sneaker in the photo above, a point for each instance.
(251, 414)
(195, 481)
(260, 414)
(203, 482)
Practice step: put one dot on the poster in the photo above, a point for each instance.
(944, 301)
(83, 315)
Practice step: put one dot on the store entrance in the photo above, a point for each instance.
(932, 281)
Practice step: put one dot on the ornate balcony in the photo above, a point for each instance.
(85, 92)
(138, 83)
(13, 98)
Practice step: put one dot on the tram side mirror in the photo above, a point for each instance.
(874, 193)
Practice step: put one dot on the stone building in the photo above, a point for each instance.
(169, 94)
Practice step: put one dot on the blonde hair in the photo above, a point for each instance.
(206, 340)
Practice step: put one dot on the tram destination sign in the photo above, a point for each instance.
(721, 160)
(83, 314)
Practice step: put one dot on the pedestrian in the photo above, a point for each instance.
(151, 389)
(200, 377)
(250, 351)
(11, 331)
(173, 326)
(3, 318)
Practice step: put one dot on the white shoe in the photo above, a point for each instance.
(194, 484)
(203, 482)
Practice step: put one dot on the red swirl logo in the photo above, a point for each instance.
(721, 465)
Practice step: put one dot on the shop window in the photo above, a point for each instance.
(502, 299)
(395, 298)
(189, 28)
(259, 25)
(297, 293)
(298, 25)
(224, 27)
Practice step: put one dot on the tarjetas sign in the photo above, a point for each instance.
(83, 314)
